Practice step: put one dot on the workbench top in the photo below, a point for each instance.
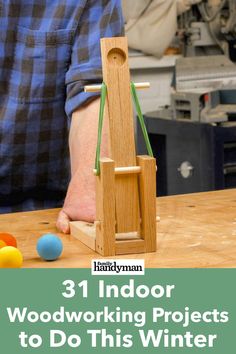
(194, 231)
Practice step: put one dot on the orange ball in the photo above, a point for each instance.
(8, 239)
(2, 244)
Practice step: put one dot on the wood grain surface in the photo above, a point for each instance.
(119, 113)
(195, 231)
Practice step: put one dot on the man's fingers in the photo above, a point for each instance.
(63, 222)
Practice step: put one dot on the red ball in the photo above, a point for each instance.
(8, 239)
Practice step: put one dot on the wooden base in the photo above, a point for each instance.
(104, 236)
(125, 243)
(84, 232)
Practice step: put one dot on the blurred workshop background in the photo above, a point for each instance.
(186, 49)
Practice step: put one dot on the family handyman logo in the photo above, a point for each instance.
(117, 267)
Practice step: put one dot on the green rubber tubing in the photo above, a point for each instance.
(100, 124)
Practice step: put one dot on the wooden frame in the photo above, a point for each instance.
(126, 186)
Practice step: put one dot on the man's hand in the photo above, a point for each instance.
(80, 199)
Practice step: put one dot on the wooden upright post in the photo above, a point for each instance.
(120, 115)
(147, 195)
(105, 208)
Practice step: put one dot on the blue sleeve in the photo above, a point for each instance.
(100, 18)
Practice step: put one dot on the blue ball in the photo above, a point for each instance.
(49, 247)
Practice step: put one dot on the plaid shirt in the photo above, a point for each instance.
(49, 49)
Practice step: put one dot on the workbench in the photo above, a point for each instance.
(194, 231)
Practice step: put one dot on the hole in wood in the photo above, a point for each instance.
(116, 56)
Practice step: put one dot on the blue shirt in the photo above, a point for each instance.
(49, 49)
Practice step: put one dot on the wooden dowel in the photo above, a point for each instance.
(96, 88)
(92, 88)
(142, 85)
(125, 170)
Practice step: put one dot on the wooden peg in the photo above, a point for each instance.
(97, 88)
(124, 170)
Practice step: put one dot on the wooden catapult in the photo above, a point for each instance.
(126, 185)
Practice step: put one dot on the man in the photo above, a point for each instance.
(49, 49)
